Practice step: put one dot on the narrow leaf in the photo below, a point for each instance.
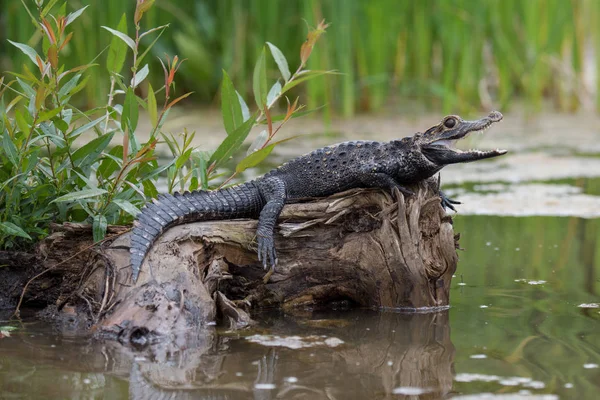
(152, 110)
(27, 50)
(48, 114)
(296, 114)
(232, 142)
(281, 61)
(127, 207)
(99, 226)
(259, 142)
(10, 149)
(230, 105)
(273, 93)
(244, 106)
(177, 100)
(69, 86)
(74, 15)
(129, 119)
(259, 81)
(140, 76)
(258, 156)
(29, 91)
(254, 159)
(117, 50)
(88, 154)
(82, 194)
(86, 127)
(48, 7)
(128, 41)
(11, 229)
(306, 75)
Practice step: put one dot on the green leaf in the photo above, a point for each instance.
(140, 76)
(152, 110)
(254, 159)
(88, 154)
(111, 163)
(260, 140)
(150, 190)
(259, 81)
(10, 149)
(127, 207)
(182, 159)
(149, 47)
(82, 194)
(13, 230)
(281, 61)
(157, 171)
(69, 86)
(48, 7)
(129, 119)
(230, 105)
(296, 114)
(117, 50)
(273, 93)
(128, 41)
(74, 15)
(21, 122)
(29, 91)
(232, 142)
(48, 114)
(306, 75)
(258, 156)
(27, 50)
(99, 226)
(244, 106)
(86, 127)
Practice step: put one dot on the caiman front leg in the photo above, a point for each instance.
(273, 192)
(445, 200)
(382, 180)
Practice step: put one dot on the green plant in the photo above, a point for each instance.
(48, 173)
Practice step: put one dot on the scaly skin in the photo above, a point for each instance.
(323, 172)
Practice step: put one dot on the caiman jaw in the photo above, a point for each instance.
(442, 138)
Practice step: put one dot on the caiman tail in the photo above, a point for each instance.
(242, 201)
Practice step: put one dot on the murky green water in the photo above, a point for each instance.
(515, 330)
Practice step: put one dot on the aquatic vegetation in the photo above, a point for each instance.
(59, 162)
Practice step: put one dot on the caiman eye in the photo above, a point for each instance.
(450, 122)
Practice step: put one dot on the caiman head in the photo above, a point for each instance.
(437, 143)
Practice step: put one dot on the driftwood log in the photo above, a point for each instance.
(360, 247)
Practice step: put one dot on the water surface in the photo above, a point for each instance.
(515, 328)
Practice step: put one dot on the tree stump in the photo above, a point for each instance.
(361, 247)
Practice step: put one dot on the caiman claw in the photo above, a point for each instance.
(448, 202)
(267, 254)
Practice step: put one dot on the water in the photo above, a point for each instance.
(515, 328)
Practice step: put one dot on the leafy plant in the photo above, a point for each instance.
(56, 160)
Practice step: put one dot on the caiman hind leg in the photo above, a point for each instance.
(273, 192)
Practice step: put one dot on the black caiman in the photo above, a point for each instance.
(329, 170)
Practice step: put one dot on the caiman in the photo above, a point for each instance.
(329, 170)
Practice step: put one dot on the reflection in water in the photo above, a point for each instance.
(509, 336)
(382, 354)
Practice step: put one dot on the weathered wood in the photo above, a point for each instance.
(361, 246)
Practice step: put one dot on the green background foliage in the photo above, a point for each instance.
(457, 55)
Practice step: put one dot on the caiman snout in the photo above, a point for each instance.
(495, 116)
